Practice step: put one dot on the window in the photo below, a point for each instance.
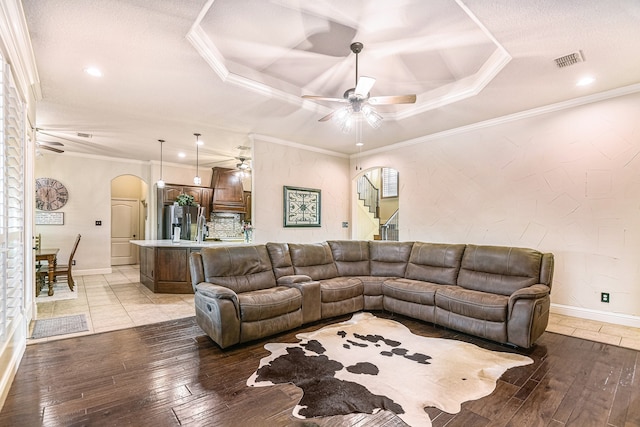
(389, 182)
(12, 131)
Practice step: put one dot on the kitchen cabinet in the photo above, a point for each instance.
(228, 194)
(201, 196)
(164, 265)
(247, 206)
(166, 270)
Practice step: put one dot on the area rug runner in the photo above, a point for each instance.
(59, 326)
(61, 292)
(368, 364)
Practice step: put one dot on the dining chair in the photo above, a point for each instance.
(65, 269)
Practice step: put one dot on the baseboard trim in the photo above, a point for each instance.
(93, 271)
(600, 316)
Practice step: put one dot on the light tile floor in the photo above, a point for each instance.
(623, 336)
(115, 301)
(118, 300)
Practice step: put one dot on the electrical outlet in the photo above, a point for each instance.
(73, 262)
(604, 296)
(98, 223)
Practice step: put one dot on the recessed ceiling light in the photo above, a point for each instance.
(359, 144)
(182, 155)
(585, 81)
(93, 71)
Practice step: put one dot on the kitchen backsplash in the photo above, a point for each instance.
(225, 226)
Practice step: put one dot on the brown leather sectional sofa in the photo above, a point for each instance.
(248, 292)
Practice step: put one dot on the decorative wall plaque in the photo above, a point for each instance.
(49, 218)
(301, 207)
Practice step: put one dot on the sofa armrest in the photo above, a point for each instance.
(530, 292)
(216, 291)
(218, 313)
(293, 278)
(311, 299)
(528, 314)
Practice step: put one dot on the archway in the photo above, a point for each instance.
(376, 205)
(128, 217)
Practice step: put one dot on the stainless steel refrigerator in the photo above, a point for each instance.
(186, 217)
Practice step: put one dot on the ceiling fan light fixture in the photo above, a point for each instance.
(344, 118)
(371, 116)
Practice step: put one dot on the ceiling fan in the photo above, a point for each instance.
(53, 135)
(50, 145)
(242, 165)
(359, 100)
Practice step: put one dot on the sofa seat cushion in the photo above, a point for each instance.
(409, 290)
(373, 284)
(474, 304)
(340, 289)
(268, 303)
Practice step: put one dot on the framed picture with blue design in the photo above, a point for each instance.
(301, 207)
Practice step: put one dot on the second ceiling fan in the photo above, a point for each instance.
(359, 100)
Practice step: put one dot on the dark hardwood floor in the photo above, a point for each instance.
(171, 374)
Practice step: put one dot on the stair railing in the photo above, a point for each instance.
(389, 230)
(369, 194)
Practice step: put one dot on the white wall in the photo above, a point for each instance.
(566, 182)
(276, 164)
(88, 180)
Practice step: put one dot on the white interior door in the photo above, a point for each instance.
(124, 227)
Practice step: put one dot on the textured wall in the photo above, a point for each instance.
(276, 165)
(566, 182)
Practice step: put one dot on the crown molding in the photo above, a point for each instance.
(551, 108)
(15, 45)
(257, 137)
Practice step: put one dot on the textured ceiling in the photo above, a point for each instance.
(229, 68)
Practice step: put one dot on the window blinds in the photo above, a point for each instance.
(12, 131)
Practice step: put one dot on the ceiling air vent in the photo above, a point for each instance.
(572, 58)
(84, 135)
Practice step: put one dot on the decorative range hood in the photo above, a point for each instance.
(228, 192)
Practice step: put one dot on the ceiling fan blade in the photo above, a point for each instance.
(55, 150)
(324, 98)
(51, 143)
(393, 99)
(327, 117)
(364, 85)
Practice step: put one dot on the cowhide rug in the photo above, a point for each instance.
(368, 364)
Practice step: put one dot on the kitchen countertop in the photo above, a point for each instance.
(184, 243)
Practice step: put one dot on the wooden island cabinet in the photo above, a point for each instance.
(164, 265)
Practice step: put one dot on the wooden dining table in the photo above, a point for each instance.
(50, 255)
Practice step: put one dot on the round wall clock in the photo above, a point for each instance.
(51, 194)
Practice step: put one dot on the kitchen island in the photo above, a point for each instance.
(164, 265)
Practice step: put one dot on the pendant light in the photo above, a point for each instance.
(196, 179)
(160, 182)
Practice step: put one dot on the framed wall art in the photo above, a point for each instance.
(301, 207)
(49, 218)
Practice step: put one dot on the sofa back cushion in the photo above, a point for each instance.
(389, 258)
(435, 262)
(313, 259)
(498, 269)
(351, 257)
(280, 259)
(239, 268)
